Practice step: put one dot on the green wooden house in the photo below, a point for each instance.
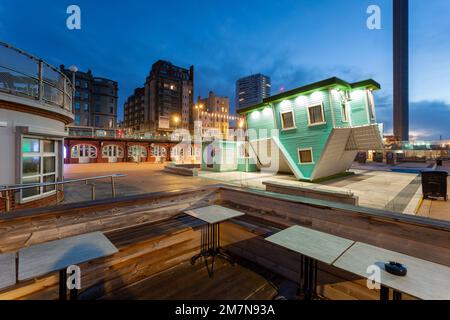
(314, 131)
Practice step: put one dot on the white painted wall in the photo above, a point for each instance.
(13, 119)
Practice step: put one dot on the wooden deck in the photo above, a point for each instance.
(156, 240)
(192, 282)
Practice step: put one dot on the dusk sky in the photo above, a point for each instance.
(292, 41)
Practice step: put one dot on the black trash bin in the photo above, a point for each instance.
(434, 184)
(439, 162)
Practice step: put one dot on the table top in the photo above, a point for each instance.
(41, 259)
(7, 270)
(318, 245)
(214, 214)
(424, 280)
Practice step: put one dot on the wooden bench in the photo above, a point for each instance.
(312, 192)
(182, 171)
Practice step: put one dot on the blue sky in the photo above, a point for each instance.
(293, 41)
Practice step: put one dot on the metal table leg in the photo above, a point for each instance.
(63, 285)
(210, 247)
(384, 293)
(308, 277)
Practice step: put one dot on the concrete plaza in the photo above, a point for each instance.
(387, 190)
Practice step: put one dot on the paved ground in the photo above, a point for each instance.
(376, 189)
(142, 178)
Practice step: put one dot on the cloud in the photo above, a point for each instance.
(430, 120)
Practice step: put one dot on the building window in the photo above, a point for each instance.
(77, 106)
(159, 151)
(315, 115)
(86, 107)
(77, 119)
(86, 95)
(287, 120)
(344, 111)
(371, 104)
(83, 151)
(97, 121)
(137, 151)
(305, 156)
(112, 151)
(39, 165)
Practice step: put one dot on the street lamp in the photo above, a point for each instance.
(177, 120)
(74, 70)
(198, 107)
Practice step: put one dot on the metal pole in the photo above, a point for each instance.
(113, 187)
(73, 91)
(41, 86)
(8, 207)
(93, 191)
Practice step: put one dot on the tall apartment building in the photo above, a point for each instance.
(95, 100)
(252, 90)
(169, 98)
(134, 111)
(213, 112)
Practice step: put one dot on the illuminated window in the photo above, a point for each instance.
(83, 151)
(112, 151)
(39, 165)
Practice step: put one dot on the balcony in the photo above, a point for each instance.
(31, 82)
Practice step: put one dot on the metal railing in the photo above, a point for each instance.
(93, 132)
(6, 190)
(25, 75)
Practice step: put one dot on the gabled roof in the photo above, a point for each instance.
(331, 82)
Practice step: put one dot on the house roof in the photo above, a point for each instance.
(369, 83)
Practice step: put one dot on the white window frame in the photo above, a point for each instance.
(132, 151)
(305, 149)
(370, 100)
(309, 115)
(77, 146)
(158, 151)
(112, 151)
(283, 128)
(41, 154)
(345, 108)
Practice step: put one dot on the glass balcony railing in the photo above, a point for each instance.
(24, 75)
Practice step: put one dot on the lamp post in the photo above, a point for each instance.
(74, 70)
(199, 107)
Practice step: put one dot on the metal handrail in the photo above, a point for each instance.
(6, 189)
(43, 94)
